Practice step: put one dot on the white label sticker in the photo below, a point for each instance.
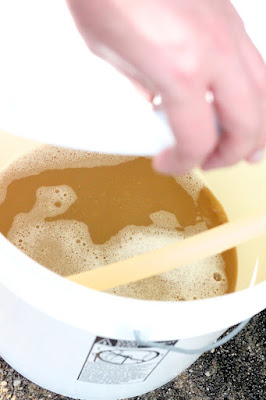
(113, 361)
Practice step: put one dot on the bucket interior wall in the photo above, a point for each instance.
(240, 189)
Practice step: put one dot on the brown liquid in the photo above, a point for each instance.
(109, 198)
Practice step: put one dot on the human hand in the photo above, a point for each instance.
(180, 50)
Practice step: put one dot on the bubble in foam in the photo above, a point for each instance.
(217, 276)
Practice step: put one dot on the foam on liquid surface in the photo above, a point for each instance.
(66, 247)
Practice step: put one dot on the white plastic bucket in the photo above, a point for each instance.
(51, 330)
(54, 331)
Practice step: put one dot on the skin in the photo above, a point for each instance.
(180, 50)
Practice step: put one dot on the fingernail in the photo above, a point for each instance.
(257, 156)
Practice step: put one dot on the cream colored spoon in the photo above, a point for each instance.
(175, 255)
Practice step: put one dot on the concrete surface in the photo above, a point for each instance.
(236, 371)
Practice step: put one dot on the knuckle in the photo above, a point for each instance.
(185, 75)
(185, 67)
(221, 37)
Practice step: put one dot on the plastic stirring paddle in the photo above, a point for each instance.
(175, 255)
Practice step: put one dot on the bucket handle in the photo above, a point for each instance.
(192, 351)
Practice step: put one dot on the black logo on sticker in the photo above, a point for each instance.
(125, 356)
(112, 361)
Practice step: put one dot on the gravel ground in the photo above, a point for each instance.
(235, 371)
